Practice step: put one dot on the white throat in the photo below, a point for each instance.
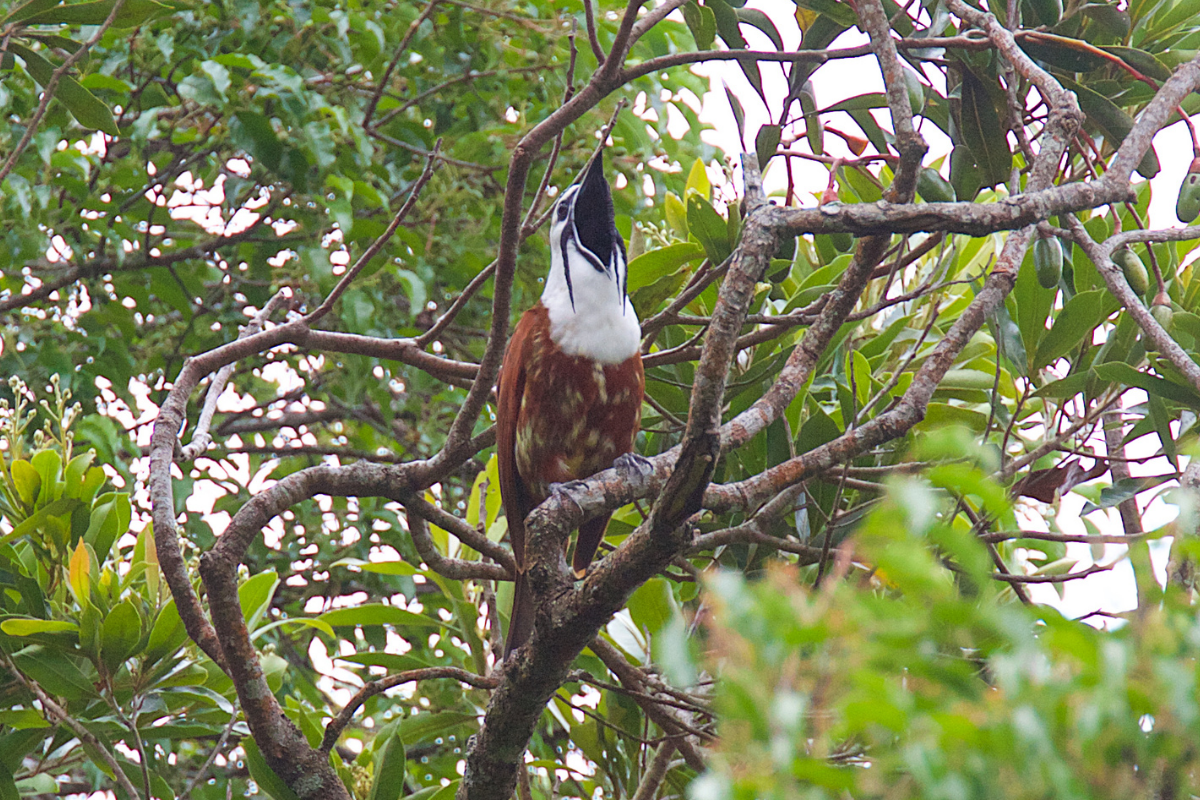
(592, 317)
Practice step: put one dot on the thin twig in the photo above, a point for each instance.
(414, 193)
(589, 14)
(336, 725)
(212, 756)
(62, 717)
(52, 84)
(391, 67)
(202, 437)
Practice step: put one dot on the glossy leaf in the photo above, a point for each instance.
(377, 615)
(707, 226)
(387, 780)
(83, 105)
(701, 23)
(131, 14)
(1114, 122)
(1081, 315)
(983, 131)
(120, 634)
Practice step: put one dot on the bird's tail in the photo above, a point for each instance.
(520, 624)
(591, 534)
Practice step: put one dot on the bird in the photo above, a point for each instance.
(571, 384)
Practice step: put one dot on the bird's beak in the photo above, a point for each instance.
(593, 215)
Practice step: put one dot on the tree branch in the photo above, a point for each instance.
(335, 726)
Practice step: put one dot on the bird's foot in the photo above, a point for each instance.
(632, 462)
(567, 487)
(634, 469)
(568, 490)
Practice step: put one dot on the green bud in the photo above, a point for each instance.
(1134, 270)
(1048, 261)
(1187, 205)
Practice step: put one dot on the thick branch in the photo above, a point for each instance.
(568, 619)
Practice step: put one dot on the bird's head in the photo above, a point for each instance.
(584, 240)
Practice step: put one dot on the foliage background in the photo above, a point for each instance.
(253, 146)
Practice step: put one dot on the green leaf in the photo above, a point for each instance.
(1162, 426)
(22, 626)
(255, 596)
(1009, 340)
(377, 614)
(27, 480)
(739, 113)
(840, 13)
(262, 773)
(1120, 372)
(254, 133)
(756, 18)
(983, 131)
(389, 769)
(1108, 18)
(697, 180)
(1062, 389)
(1140, 60)
(672, 649)
(1122, 490)
(708, 228)
(132, 14)
(701, 23)
(379, 567)
(8, 787)
(727, 26)
(56, 672)
(390, 661)
(109, 519)
(1033, 305)
(76, 472)
(422, 727)
(120, 635)
(51, 523)
(649, 267)
(168, 633)
(676, 214)
(1114, 123)
(652, 605)
(48, 464)
(87, 109)
(27, 10)
(1071, 55)
(1081, 315)
(40, 784)
(766, 142)
(304, 622)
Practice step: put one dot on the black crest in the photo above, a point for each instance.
(594, 216)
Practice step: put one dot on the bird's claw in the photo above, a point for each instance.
(567, 486)
(640, 466)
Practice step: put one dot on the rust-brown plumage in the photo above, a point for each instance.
(559, 418)
(562, 416)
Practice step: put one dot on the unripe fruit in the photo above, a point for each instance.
(1164, 316)
(1187, 206)
(1134, 270)
(1162, 312)
(1048, 261)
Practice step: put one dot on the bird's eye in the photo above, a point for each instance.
(562, 212)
